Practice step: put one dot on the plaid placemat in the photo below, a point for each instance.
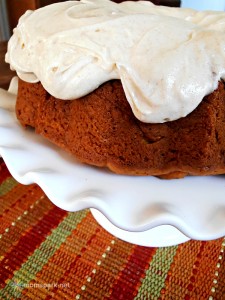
(48, 253)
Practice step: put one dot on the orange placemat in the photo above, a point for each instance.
(48, 253)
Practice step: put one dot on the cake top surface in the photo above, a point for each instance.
(167, 58)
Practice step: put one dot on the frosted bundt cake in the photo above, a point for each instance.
(134, 87)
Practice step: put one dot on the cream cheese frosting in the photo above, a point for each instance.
(167, 59)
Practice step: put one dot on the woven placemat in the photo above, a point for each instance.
(48, 253)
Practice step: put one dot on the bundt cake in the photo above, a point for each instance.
(134, 87)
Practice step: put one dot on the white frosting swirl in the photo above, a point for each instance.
(168, 59)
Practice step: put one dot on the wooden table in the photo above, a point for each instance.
(5, 73)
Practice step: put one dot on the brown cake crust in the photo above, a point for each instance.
(100, 129)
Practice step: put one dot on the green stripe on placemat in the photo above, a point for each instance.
(7, 185)
(41, 255)
(155, 277)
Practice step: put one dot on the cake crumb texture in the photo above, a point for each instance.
(100, 129)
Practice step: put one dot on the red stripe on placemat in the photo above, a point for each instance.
(29, 242)
(16, 202)
(132, 272)
(4, 172)
(219, 286)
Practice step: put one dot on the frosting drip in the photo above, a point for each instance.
(168, 59)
